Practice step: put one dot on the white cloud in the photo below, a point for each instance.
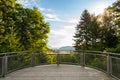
(23, 2)
(62, 36)
(54, 17)
(47, 12)
(44, 9)
(32, 3)
(51, 16)
(41, 9)
(98, 8)
(73, 20)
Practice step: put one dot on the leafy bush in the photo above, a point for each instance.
(115, 50)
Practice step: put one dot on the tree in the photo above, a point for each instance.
(115, 10)
(21, 28)
(82, 36)
(7, 33)
(99, 32)
(115, 13)
(108, 31)
(36, 29)
(94, 32)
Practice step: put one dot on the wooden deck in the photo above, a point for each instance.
(52, 72)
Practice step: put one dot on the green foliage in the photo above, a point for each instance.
(19, 61)
(41, 58)
(21, 28)
(87, 32)
(51, 58)
(115, 50)
(96, 61)
(70, 58)
(98, 32)
(81, 35)
(116, 67)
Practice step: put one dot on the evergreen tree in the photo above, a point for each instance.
(82, 36)
(94, 32)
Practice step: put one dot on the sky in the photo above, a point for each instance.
(64, 15)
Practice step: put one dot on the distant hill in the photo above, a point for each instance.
(67, 48)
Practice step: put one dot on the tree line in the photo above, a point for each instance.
(99, 32)
(21, 28)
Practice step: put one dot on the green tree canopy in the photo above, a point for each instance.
(21, 28)
(82, 36)
(96, 32)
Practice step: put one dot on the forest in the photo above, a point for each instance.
(99, 32)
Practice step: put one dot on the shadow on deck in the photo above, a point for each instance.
(53, 72)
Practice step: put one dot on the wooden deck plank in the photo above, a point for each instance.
(52, 72)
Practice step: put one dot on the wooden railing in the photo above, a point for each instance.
(106, 62)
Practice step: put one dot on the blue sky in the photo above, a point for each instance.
(63, 16)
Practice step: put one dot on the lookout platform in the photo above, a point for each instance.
(54, 72)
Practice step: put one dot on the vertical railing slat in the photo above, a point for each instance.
(109, 64)
(58, 59)
(33, 60)
(82, 57)
(4, 65)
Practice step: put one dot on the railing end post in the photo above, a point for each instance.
(109, 64)
(4, 65)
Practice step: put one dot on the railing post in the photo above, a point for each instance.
(33, 60)
(4, 65)
(58, 59)
(82, 57)
(109, 64)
